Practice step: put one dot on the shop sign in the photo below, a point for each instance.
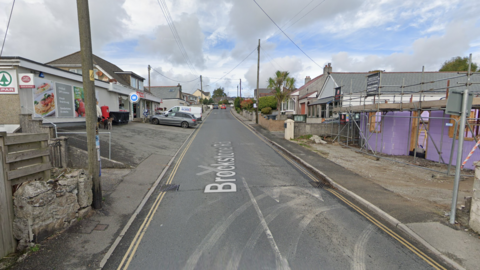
(134, 97)
(140, 94)
(26, 80)
(64, 100)
(8, 81)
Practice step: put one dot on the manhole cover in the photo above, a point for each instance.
(171, 187)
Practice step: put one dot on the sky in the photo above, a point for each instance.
(218, 39)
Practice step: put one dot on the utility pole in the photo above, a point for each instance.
(237, 90)
(201, 83)
(461, 134)
(149, 85)
(90, 100)
(258, 79)
(240, 88)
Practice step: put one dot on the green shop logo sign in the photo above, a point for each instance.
(5, 78)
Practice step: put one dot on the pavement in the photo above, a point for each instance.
(149, 149)
(457, 246)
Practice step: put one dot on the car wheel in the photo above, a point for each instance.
(155, 121)
(184, 125)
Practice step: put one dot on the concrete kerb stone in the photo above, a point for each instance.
(391, 220)
(142, 204)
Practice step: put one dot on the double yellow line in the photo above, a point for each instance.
(127, 258)
(377, 223)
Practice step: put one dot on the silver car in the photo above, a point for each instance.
(182, 119)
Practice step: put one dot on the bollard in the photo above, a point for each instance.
(289, 129)
(475, 207)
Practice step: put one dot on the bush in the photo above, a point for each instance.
(269, 101)
(237, 101)
(267, 110)
(238, 110)
(246, 104)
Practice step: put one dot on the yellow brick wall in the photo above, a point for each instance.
(9, 109)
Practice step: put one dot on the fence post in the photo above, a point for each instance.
(7, 242)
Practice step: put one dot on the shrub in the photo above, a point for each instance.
(269, 101)
(237, 101)
(238, 110)
(267, 110)
(246, 104)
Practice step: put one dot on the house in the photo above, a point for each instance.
(171, 96)
(190, 99)
(201, 94)
(404, 114)
(110, 73)
(263, 92)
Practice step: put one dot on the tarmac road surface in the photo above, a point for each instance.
(242, 205)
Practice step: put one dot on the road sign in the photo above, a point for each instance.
(454, 102)
(134, 97)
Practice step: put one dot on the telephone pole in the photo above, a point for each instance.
(149, 85)
(201, 83)
(240, 88)
(90, 100)
(258, 78)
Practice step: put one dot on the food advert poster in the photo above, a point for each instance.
(64, 100)
(43, 98)
(79, 101)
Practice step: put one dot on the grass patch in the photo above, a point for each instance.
(304, 137)
(35, 248)
(304, 145)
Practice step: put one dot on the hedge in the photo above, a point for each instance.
(269, 101)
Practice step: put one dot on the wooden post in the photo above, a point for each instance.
(7, 242)
(90, 100)
(258, 78)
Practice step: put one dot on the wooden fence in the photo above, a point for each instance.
(23, 157)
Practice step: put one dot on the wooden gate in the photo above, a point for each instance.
(23, 157)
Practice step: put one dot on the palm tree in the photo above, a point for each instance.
(281, 86)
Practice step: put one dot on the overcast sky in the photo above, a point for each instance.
(353, 35)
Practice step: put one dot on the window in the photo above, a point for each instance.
(375, 122)
(140, 84)
(473, 120)
(318, 111)
(288, 105)
(133, 82)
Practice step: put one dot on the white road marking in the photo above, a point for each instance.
(360, 247)
(208, 169)
(273, 192)
(281, 262)
(212, 237)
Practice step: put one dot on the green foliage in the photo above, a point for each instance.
(210, 101)
(225, 101)
(304, 137)
(267, 110)
(35, 248)
(205, 101)
(238, 110)
(246, 104)
(219, 92)
(458, 64)
(279, 82)
(237, 102)
(269, 101)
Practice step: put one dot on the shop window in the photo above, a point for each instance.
(375, 119)
(318, 110)
(473, 119)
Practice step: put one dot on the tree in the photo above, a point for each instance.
(246, 104)
(210, 101)
(237, 102)
(219, 93)
(225, 101)
(205, 101)
(268, 101)
(281, 86)
(458, 64)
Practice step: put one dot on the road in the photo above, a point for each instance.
(242, 205)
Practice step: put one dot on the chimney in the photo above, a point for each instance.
(180, 87)
(307, 79)
(327, 69)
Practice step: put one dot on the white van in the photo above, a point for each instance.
(197, 111)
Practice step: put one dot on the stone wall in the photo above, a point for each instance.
(271, 125)
(328, 129)
(249, 115)
(9, 109)
(44, 207)
(78, 158)
(29, 125)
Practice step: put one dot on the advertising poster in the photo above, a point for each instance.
(43, 98)
(64, 100)
(79, 101)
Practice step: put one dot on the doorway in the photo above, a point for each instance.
(421, 126)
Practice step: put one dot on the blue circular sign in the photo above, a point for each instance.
(133, 97)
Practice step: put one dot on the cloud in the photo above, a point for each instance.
(430, 52)
(164, 46)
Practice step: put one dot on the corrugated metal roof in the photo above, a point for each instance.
(322, 101)
(391, 81)
(165, 92)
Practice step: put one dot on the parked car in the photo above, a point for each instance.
(223, 106)
(182, 119)
(215, 106)
(197, 111)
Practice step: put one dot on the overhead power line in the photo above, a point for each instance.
(6, 31)
(175, 34)
(305, 14)
(236, 65)
(174, 79)
(287, 35)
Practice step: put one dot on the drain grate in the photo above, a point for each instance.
(170, 187)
